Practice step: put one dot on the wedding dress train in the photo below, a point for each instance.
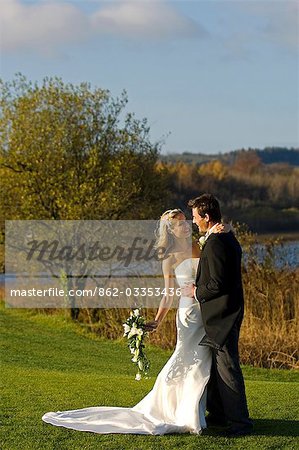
(177, 402)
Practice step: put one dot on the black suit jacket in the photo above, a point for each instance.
(219, 286)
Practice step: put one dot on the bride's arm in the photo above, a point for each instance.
(167, 299)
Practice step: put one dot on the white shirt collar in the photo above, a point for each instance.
(210, 231)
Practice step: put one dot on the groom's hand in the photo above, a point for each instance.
(188, 290)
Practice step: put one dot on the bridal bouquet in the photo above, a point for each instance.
(134, 331)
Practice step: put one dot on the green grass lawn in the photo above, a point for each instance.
(49, 364)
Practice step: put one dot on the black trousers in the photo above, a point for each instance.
(226, 397)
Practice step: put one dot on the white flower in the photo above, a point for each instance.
(134, 359)
(126, 328)
(136, 312)
(201, 242)
(132, 350)
(135, 330)
(138, 377)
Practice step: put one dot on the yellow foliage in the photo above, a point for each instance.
(214, 169)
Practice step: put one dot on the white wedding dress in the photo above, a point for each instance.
(177, 402)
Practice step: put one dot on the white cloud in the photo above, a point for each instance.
(145, 19)
(45, 26)
(40, 27)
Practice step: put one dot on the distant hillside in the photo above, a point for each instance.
(269, 155)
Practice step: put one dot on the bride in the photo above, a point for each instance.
(177, 402)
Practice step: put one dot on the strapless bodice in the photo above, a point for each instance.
(185, 272)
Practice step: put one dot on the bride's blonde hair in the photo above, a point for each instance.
(164, 236)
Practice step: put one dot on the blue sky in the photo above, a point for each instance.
(210, 76)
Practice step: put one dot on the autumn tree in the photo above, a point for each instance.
(72, 152)
(247, 162)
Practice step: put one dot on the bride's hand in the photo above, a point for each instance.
(223, 228)
(151, 326)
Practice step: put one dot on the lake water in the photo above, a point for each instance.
(284, 255)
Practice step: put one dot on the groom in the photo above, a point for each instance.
(219, 291)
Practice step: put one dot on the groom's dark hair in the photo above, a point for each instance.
(207, 204)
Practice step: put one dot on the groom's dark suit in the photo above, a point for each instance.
(220, 293)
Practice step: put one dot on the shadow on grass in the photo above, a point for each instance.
(266, 427)
(276, 427)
